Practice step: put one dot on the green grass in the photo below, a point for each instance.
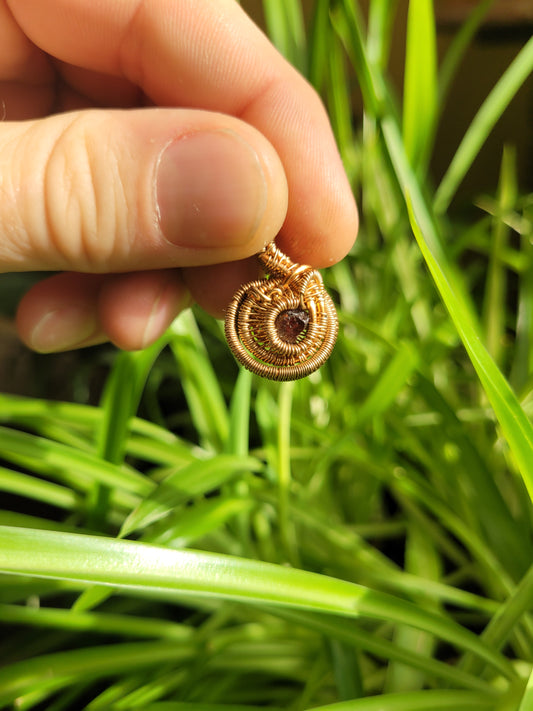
(359, 540)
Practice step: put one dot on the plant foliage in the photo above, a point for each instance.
(201, 540)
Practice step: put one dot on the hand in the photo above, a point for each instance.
(148, 149)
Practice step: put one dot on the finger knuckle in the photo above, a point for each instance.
(84, 201)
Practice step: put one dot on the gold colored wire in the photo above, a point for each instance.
(250, 323)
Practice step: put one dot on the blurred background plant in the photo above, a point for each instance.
(176, 534)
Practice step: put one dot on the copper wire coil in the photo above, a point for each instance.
(282, 327)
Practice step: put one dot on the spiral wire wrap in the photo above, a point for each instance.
(282, 327)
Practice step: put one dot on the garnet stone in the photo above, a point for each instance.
(291, 323)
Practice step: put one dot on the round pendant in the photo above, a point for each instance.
(282, 327)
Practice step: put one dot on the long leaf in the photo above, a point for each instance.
(284, 21)
(136, 566)
(420, 83)
(485, 119)
(458, 46)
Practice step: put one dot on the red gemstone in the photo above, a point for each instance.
(291, 323)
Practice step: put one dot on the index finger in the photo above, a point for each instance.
(210, 55)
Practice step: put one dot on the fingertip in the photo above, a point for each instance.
(135, 309)
(330, 239)
(59, 314)
(322, 220)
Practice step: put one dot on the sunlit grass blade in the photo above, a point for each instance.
(238, 443)
(200, 383)
(482, 124)
(145, 568)
(527, 699)
(420, 83)
(38, 489)
(286, 392)
(285, 25)
(120, 399)
(119, 403)
(239, 418)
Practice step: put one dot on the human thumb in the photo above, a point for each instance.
(113, 191)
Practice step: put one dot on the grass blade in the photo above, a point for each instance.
(420, 83)
(355, 636)
(197, 478)
(320, 39)
(482, 124)
(121, 397)
(37, 489)
(239, 416)
(458, 47)
(496, 287)
(200, 383)
(381, 17)
(285, 25)
(136, 566)
(95, 622)
(69, 460)
(527, 699)
(394, 377)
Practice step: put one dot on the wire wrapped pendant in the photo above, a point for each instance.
(282, 327)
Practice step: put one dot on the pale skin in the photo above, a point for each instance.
(148, 150)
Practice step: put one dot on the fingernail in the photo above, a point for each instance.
(211, 190)
(62, 329)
